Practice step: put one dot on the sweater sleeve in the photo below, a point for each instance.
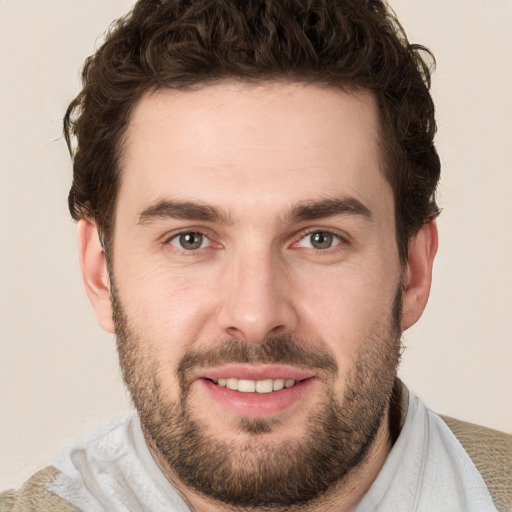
(34, 497)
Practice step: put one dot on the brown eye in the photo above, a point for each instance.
(320, 240)
(190, 241)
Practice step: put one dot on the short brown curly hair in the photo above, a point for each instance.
(354, 44)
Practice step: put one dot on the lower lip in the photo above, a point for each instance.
(256, 405)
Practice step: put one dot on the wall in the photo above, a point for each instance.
(58, 369)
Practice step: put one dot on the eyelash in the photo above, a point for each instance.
(337, 240)
(341, 240)
(168, 241)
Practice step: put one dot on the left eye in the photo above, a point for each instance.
(320, 240)
(190, 241)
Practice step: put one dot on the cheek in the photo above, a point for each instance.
(346, 308)
(172, 307)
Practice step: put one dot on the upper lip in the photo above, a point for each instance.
(253, 372)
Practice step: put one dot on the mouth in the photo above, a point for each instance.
(256, 391)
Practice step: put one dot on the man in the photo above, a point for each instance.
(254, 189)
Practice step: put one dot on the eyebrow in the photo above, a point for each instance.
(310, 210)
(167, 209)
(307, 210)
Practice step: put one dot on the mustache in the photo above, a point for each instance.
(276, 350)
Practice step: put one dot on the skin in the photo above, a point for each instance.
(256, 154)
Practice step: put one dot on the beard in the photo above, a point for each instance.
(257, 472)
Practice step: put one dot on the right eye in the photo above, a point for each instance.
(190, 241)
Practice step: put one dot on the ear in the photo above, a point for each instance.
(94, 272)
(417, 274)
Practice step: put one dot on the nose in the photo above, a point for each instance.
(257, 301)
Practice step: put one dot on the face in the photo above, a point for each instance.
(256, 286)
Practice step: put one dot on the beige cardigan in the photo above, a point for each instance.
(491, 452)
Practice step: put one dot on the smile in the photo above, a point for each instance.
(256, 391)
(254, 386)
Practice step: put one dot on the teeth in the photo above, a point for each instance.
(246, 386)
(255, 386)
(264, 386)
(278, 384)
(232, 384)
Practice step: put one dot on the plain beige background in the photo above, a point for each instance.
(58, 371)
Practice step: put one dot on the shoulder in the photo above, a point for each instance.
(491, 452)
(34, 496)
(39, 492)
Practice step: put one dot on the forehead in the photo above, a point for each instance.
(262, 146)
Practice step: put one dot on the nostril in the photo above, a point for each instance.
(277, 330)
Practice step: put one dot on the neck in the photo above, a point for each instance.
(342, 497)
